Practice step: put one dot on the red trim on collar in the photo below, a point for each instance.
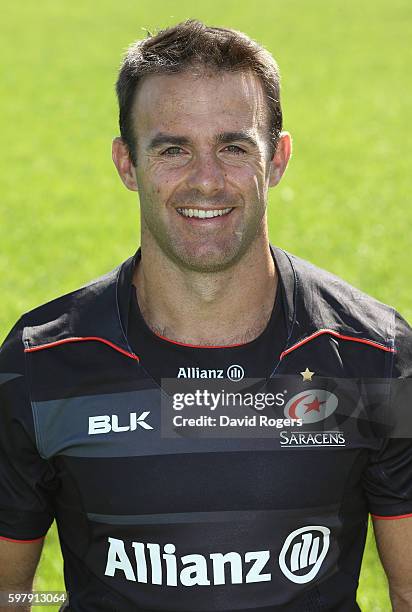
(201, 346)
(331, 332)
(22, 541)
(390, 518)
(82, 339)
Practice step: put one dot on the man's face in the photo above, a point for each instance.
(203, 165)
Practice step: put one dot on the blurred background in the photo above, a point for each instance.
(344, 203)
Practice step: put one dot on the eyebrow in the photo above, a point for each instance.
(227, 137)
(223, 138)
(161, 139)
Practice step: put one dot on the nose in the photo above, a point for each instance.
(206, 175)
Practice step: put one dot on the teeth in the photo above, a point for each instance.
(203, 214)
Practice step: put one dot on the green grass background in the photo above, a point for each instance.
(345, 200)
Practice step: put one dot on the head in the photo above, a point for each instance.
(201, 130)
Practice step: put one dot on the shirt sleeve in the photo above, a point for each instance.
(27, 481)
(388, 477)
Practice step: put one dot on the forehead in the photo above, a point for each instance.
(199, 103)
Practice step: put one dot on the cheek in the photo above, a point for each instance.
(159, 182)
(149, 194)
(249, 179)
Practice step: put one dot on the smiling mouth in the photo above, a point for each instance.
(203, 214)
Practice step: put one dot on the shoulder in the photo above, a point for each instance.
(66, 309)
(90, 310)
(331, 302)
(324, 302)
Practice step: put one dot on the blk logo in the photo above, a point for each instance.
(303, 553)
(311, 406)
(106, 423)
(235, 372)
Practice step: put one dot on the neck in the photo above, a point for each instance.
(232, 306)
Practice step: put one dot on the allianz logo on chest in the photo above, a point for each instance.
(233, 372)
(300, 560)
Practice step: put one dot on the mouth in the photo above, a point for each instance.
(201, 213)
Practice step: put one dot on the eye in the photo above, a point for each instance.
(172, 151)
(235, 149)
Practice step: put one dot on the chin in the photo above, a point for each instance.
(209, 262)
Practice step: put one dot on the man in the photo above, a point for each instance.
(153, 517)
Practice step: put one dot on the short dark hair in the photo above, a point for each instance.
(189, 43)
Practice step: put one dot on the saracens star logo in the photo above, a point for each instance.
(311, 406)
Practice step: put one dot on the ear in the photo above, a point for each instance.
(122, 161)
(279, 162)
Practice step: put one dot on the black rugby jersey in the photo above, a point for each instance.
(270, 515)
